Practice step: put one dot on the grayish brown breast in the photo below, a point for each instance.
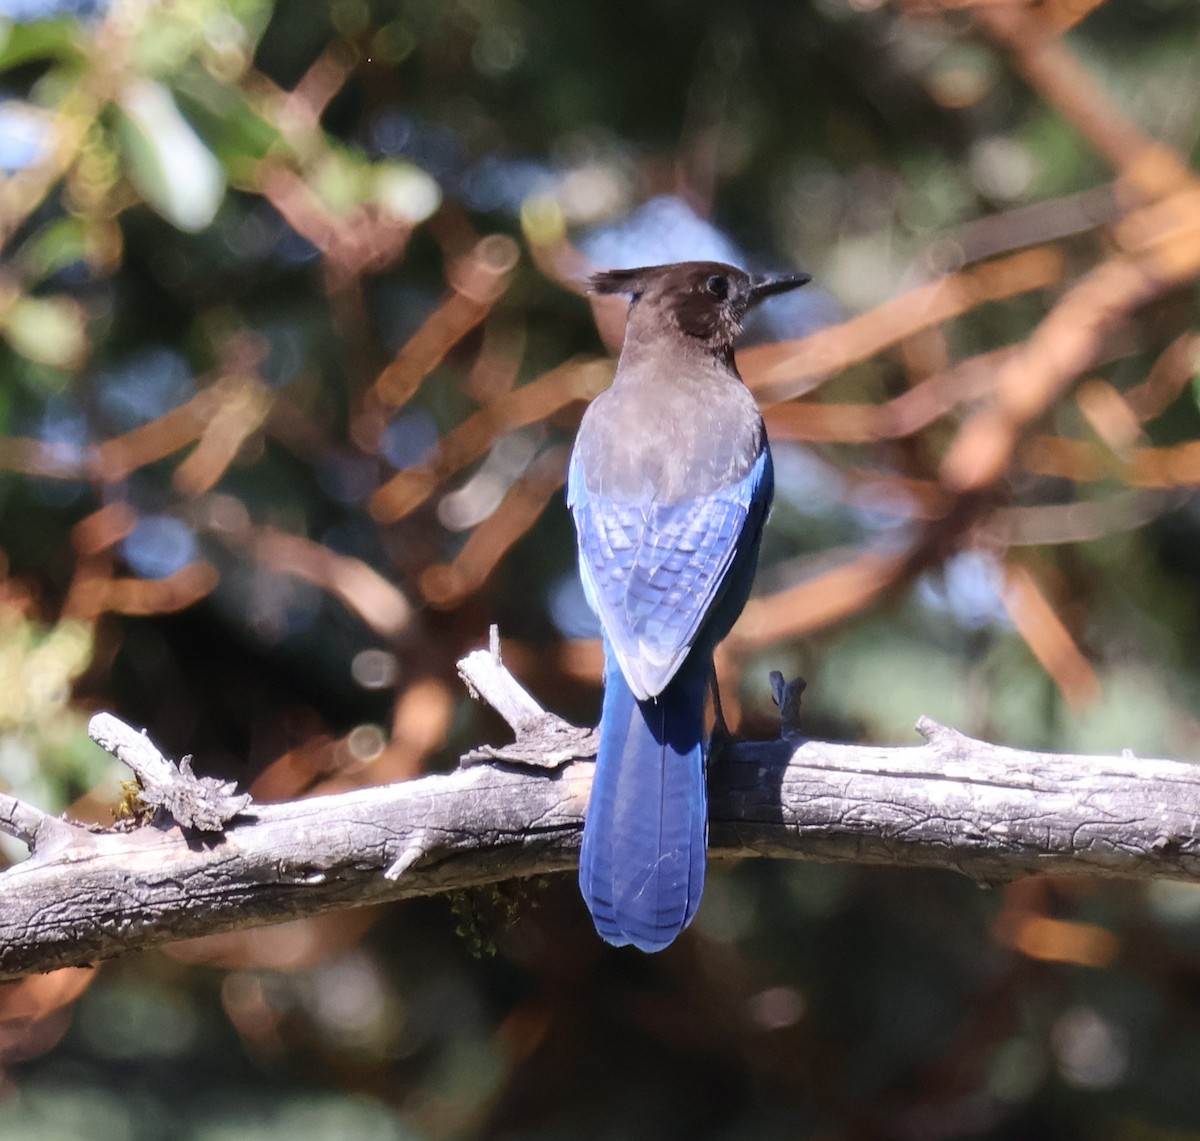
(669, 439)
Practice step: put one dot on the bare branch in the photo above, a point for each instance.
(992, 813)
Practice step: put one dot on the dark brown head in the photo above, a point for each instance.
(704, 300)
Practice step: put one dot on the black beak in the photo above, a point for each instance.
(768, 284)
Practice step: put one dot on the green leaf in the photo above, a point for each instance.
(166, 39)
(225, 119)
(167, 161)
(56, 246)
(46, 330)
(41, 39)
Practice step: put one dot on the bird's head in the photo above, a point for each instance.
(704, 300)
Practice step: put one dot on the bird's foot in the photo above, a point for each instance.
(787, 696)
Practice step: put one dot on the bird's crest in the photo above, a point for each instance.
(631, 281)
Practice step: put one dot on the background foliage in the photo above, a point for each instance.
(293, 347)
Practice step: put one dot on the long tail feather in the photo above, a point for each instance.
(641, 868)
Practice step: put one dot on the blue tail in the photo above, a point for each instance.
(641, 869)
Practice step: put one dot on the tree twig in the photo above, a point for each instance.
(541, 738)
(32, 826)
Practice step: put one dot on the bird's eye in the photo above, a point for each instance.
(717, 286)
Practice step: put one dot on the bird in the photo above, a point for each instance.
(669, 485)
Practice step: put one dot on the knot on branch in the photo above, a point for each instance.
(940, 736)
(206, 804)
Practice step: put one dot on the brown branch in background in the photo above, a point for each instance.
(298, 429)
(905, 498)
(791, 368)
(1108, 414)
(813, 605)
(1164, 467)
(36, 1011)
(454, 231)
(421, 722)
(531, 403)
(1083, 461)
(300, 770)
(1023, 381)
(447, 585)
(115, 459)
(581, 659)
(1048, 637)
(43, 460)
(1085, 522)
(366, 240)
(89, 583)
(118, 458)
(1148, 168)
(103, 528)
(365, 591)
(498, 364)
(1062, 15)
(1175, 368)
(926, 353)
(243, 405)
(292, 945)
(1168, 231)
(904, 415)
(836, 594)
(300, 207)
(421, 719)
(831, 423)
(850, 588)
(299, 116)
(1037, 223)
(477, 282)
(1025, 925)
(221, 418)
(566, 265)
(964, 382)
(939, 7)
(1059, 349)
(95, 591)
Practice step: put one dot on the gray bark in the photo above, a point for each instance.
(992, 813)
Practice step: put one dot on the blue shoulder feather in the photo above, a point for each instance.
(653, 571)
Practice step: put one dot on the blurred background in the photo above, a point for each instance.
(293, 345)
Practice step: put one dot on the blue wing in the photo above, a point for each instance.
(652, 571)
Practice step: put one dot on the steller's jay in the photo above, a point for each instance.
(669, 485)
